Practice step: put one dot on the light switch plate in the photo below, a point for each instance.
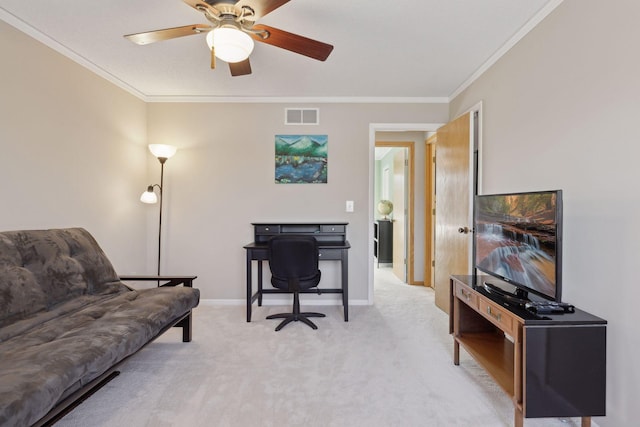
(349, 207)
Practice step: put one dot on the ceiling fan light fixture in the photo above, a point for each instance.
(230, 44)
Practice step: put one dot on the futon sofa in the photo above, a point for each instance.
(67, 320)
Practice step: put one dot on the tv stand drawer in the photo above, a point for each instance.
(497, 315)
(466, 295)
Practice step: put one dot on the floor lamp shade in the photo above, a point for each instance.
(149, 196)
(162, 151)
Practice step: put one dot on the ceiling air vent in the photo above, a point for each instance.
(301, 116)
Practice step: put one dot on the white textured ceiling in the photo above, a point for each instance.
(382, 49)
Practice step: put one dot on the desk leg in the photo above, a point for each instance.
(259, 283)
(345, 283)
(249, 286)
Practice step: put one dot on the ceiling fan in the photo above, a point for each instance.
(232, 31)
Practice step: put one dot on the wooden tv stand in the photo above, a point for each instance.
(550, 365)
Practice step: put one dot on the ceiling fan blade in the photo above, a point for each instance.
(262, 7)
(293, 42)
(167, 33)
(241, 68)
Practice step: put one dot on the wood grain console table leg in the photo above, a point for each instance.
(518, 419)
(454, 323)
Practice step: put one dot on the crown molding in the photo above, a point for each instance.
(300, 99)
(19, 24)
(524, 30)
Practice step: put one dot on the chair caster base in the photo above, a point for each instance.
(295, 317)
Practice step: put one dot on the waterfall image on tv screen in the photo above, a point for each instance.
(516, 239)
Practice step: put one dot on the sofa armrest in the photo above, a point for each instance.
(169, 280)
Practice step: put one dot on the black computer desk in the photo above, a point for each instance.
(333, 246)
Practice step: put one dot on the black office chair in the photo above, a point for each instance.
(293, 261)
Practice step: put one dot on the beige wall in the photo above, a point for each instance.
(222, 179)
(72, 150)
(561, 111)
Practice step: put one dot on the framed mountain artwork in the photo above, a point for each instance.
(301, 159)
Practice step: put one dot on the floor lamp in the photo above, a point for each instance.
(162, 153)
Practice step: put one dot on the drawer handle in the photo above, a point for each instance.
(497, 316)
(466, 295)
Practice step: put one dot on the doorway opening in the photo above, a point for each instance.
(390, 133)
(393, 207)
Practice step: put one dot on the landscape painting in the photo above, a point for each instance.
(301, 159)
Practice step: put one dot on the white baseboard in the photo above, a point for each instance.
(281, 301)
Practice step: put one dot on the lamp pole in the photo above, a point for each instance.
(162, 160)
(162, 153)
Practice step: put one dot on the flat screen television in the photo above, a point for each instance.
(518, 240)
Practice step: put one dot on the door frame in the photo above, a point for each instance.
(383, 127)
(476, 164)
(479, 118)
(429, 208)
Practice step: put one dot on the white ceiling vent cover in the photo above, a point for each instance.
(301, 116)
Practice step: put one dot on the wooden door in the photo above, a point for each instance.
(399, 209)
(454, 185)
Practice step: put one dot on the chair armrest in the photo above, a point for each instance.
(170, 280)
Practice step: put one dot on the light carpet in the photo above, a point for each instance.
(390, 365)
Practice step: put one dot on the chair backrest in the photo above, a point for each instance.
(293, 256)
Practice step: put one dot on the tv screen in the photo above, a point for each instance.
(518, 239)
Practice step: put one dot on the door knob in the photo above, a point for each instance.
(464, 230)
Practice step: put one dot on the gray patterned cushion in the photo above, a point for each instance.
(65, 318)
(40, 269)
